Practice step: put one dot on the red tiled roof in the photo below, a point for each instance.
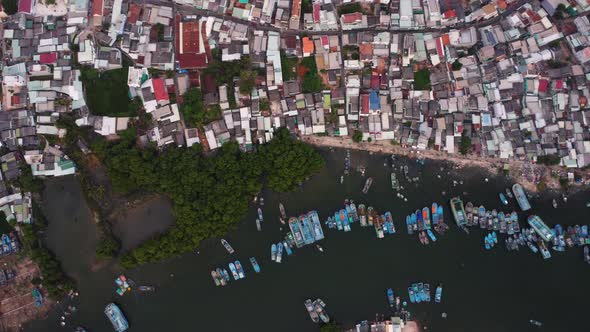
(192, 60)
(187, 51)
(316, 12)
(352, 17)
(190, 37)
(450, 13)
(160, 89)
(45, 58)
(439, 47)
(97, 6)
(25, 6)
(133, 13)
(543, 85)
(365, 104)
(209, 85)
(559, 84)
(446, 39)
(15, 99)
(296, 9)
(366, 49)
(375, 82)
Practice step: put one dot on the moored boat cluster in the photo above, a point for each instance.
(423, 221)
(317, 310)
(367, 217)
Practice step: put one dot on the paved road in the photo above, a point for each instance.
(189, 10)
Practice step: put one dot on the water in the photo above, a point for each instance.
(483, 291)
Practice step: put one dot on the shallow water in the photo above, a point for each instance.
(483, 291)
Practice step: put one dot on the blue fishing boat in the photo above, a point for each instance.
(338, 221)
(434, 213)
(426, 217)
(345, 222)
(273, 252)
(411, 294)
(279, 252)
(390, 297)
(318, 232)
(419, 220)
(409, 225)
(38, 297)
(431, 235)
(487, 242)
(307, 229)
(521, 198)
(441, 214)
(438, 294)
(234, 271)
(349, 213)
(225, 275)
(355, 215)
(389, 222)
(494, 237)
(287, 248)
(115, 315)
(420, 291)
(503, 199)
(458, 211)
(295, 227)
(586, 255)
(239, 269)
(255, 264)
(414, 221)
(540, 228)
(427, 292)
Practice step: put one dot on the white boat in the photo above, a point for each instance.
(227, 246)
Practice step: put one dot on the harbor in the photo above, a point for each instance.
(356, 268)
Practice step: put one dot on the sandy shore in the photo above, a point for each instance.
(524, 172)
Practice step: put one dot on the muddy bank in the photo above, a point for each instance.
(140, 220)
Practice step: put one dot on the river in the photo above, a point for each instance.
(483, 291)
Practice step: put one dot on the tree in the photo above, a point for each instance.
(330, 327)
(422, 79)
(247, 81)
(159, 31)
(457, 65)
(107, 247)
(465, 145)
(358, 136)
(10, 6)
(311, 80)
(264, 105)
(549, 160)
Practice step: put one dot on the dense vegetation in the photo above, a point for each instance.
(549, 160)
(193, 110)
(457, 65)
(225, 71)
(465, 145)
(288, 162)
(10, 6)
(54, 280)
(349, 8)
(330, 327)
(422, 79)
(107, 92)
(209, 194)
(312, 82)
(357, 136)
(288, 66)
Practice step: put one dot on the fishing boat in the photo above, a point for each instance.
(320, 308)
(311, 310)
(318, 232)
(349, 213)
(221, 277)
(458, 211)
(239, 269)
(216, 278)
(370, 215)
(362, 215)
(426, 217)
(409, 225)
(434, 213)
(307, 229)
(279, 252)
(535, 322)
(394, 182)
(503, 199)
(258, 226)
(345, 222)
(152, 288)
(273, 252)
(412, 295)
(341, 179)
(438, 294)
(423, 238)
(227, 246)
(521, 198)
(554, 203)
(287, 248)
(319, 248)
(282, 210)
(115, 315)
(389, 222)
(367, 185)
(544, 251)
(515, 223)
(586, 254)
(379, 227)
(234, 271)
(255, 264)
(295, 227)
(427, 292)
(540, 227)
(390, 297)
(260, 214)
(38, 297)
(431, 235)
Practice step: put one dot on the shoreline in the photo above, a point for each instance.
(518, 170)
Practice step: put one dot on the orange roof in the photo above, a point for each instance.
(445, 39)
(307, 45)
(366, 49)
(502, 4)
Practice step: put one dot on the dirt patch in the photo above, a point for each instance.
(17, 305)
(301, 70)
